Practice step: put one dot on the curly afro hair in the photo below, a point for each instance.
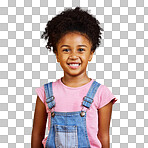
(72, 20)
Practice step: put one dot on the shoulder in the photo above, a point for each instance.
(102, 88)
(56, 82)
(40, 93)
(104, 96)
(41, 90)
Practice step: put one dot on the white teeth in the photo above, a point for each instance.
(74, 64)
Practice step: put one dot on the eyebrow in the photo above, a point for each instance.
(69, 46)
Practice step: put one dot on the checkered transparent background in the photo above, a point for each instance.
(121, 63)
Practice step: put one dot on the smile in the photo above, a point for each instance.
(74, 66)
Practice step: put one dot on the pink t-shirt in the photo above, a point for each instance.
(69, 99)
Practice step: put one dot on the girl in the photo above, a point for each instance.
(78, 108)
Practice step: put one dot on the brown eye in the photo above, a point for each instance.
(81, 49)
(66, 50)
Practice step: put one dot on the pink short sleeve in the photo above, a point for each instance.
(41, 93)
(106, 96)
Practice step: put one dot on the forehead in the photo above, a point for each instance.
(74, 37)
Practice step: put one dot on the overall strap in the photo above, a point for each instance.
(88, 99)
(49, 95)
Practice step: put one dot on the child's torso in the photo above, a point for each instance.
(70, 100)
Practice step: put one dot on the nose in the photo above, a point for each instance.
(73, 55)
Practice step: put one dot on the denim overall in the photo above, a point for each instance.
(68, 129)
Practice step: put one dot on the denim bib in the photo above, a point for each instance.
(68, 129)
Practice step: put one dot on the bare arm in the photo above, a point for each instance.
(39, 124)
(104, 115)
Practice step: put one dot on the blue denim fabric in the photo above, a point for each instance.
(68, 129)
(66, 135)
(49, 95)
(88, 99)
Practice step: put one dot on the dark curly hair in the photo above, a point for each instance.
(72, 20)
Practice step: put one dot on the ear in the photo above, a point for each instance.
(91, 55)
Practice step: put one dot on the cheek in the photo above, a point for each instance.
(63, 58)
(85, 57)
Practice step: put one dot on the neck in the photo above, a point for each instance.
(75, 81)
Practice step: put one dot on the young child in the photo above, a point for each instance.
(78, 108)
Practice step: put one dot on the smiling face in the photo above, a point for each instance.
(73, 53)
